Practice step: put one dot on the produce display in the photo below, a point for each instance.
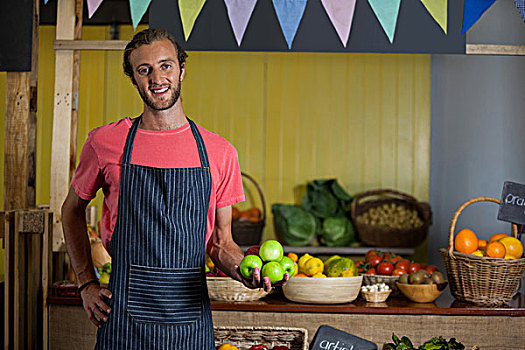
(227, 346)
(104, 272)
(499, 245)
(252, 214)
(436, 343)
(335, 266)
(323, 214)
(391, 215)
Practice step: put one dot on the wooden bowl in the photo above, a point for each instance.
(329, 290)
(422, 293)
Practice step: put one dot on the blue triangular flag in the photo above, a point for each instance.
(473, 10)
(520, 4)
(289, 14)
(386, 12)
(138, 9)
(45, 1)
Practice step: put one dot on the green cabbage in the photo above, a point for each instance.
(295, 225)
(325, 198)
(337, 232)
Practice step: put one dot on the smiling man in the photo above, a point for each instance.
(168, 189)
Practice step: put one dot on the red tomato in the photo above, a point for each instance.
(396, 258)
(370, 252)
(374, 260)
(430, 269)
(398, 272)
(403, 265)
(371, 271)
(414, 267)
(385, 268)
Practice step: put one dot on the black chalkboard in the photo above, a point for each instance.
(16, 26)
(512, 207)
(416, 32)
(329, 338)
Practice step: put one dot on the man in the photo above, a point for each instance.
(168, 189)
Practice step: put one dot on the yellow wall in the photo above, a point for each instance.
(293, 117)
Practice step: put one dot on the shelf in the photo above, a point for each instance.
(342, 250)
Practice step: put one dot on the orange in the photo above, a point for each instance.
(496, 249)
(254, 212)
(482, 244)
(513, 246)
(497, 236)
(235, 213)
(301, 275)
(466, 241)
(293, 256)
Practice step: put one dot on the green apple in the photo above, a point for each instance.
(249, 263)
(288, 265)
(271, 250)
(273, 270)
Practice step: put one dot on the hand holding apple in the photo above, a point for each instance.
(288, 265)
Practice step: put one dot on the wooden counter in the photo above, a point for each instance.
(490, 327)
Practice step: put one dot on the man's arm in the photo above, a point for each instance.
(227, 255)
(79, 249)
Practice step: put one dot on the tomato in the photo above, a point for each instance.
(371, 271)
(385, 268)
(403, 264)
(374, 260)
(430, 269)
(371, 252)
(398, 272)
(396, 259)
(414, 267)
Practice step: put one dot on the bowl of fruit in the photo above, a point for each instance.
(422, 287)
(333, 281)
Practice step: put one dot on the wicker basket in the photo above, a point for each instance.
(247, 233)
(227, 289)
(376, 297)
(378, 236)
(481, 280)
(245, 337)
(390, 281)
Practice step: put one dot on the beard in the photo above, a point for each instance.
(161, 105)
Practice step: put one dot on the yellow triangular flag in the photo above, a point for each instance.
(438, 10)
(189, 11)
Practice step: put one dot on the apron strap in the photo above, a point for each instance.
(130, 140)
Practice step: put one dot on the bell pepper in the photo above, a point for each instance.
(227, 346)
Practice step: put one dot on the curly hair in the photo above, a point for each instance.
(147, 37)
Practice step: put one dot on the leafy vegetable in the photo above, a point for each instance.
(436, 343)
(296, 226)
(337, 232)
(325, 198)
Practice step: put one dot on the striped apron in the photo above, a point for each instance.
(160, 299)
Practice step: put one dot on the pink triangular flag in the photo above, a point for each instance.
(341, 13)
(239, 12)
(93, 6)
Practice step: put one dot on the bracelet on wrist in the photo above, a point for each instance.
(82, 286)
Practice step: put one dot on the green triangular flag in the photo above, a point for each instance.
(138, 9)
(438, 10)
(386, 12)
(189, 11)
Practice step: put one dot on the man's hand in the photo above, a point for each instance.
(94, 304)
(256, 282)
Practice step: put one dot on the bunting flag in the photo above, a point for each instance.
(289, 14)
(473, 10)
(189, 11)
(92, 6)
(239, 12)
(438, 11)
(341, 13)
(138, 9)
(520, 4)
(386, 12)
(45, 1)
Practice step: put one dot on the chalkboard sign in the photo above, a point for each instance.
(512, 207)
(329, 338)
(416, 31)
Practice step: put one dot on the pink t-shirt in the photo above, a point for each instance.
(101, 157)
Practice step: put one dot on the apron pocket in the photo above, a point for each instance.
(164, 296)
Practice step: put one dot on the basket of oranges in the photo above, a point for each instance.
(482, 272)
(247, 225)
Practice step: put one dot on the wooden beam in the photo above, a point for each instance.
(482, 49)
(63, 99)
(102, 45)
(33, 101)
(16, 140)
(76, 91)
